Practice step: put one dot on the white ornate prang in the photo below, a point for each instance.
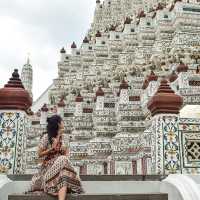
(27, 77)
(126, 40)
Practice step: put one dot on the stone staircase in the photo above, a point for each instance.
(97, 188)
(157, 196)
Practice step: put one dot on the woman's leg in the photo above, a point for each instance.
(62, 193)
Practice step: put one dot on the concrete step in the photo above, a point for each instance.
(151, 196)
(28, 177)
(103, 184)
(144, 186)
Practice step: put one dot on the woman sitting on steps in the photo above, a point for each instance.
(56, 175)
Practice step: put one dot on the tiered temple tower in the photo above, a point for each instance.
(111, 94)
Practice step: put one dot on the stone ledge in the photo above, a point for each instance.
(153, 196)
(100, 177)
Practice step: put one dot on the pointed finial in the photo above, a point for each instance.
(73, 46)
(28, 59)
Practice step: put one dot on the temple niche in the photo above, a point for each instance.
(128, 93)
(123, 168)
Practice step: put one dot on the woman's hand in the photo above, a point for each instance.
(65, 151)
(54, 148)
(56, 144)
(46, 152)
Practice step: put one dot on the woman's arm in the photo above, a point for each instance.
(42, 153)
(54, 148)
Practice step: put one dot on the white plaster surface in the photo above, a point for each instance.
(173, 193)
(181, 187)
(11, 187)
(90, 187)
(121, 187)
(4, 180)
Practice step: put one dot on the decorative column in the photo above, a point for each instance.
(144, 166)
(100, 99)
(98, 38)
(182, 71)
(105, 168)
(134, 167)
(85, 44)
(44, 114)
(139, 166)
(98, 3)
(113, 33)
(123, 97)
(164, 107)
(62, 54)
(152, 86)
(79, 105)
(112, 167)
(61, 107)
(73, 49)
(127, 25)
(149, 163)
(14, 102)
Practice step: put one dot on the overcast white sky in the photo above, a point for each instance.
(41, 28)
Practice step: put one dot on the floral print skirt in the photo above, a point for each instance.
(55, 174)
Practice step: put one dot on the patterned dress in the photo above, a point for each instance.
(56, 171)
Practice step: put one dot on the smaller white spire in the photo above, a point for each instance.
(27, 75)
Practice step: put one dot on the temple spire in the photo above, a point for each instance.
(28, 59)
(27, 75)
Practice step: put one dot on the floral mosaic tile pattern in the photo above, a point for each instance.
(190, 139)
(166, 157)
(12, 142)
(171, 145)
